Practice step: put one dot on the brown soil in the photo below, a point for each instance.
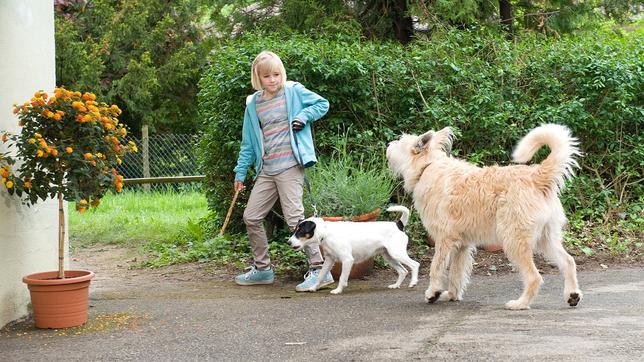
(122, 264)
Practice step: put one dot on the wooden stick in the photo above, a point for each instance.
(230, 211)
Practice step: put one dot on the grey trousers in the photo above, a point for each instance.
(288, 186)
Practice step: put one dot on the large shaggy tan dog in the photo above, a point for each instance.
(462, 206)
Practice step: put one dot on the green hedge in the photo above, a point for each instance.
(491, 90)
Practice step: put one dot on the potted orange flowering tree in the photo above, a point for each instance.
(67, 150)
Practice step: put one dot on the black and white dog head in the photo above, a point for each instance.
(305, 233)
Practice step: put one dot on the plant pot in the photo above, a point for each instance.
(493, 248)
(363, 268)
(59, 303)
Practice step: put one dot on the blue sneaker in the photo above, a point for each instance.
(255, 276)
(310, 278)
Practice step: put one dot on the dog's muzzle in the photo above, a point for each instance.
(295, 244)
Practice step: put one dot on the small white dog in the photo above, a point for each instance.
(352, 242)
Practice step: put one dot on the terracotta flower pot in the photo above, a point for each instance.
(493, 248)
(59, 303)
(365, 267)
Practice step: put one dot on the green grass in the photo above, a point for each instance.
(136, 218)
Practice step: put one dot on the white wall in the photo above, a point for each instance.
(28, 236)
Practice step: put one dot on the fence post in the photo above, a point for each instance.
(146, 156)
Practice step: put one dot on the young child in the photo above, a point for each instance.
(277, 141)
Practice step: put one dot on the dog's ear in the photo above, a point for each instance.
(305, 230)
(423, 141)
(443, 140)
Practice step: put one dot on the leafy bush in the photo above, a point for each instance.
(490, 90)
(342, 185)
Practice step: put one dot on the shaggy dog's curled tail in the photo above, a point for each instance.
(558, 166)
(405, 213)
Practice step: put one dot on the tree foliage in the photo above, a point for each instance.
(402, 19)
(145, 56)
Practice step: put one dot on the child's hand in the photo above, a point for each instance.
(297, 125)
(239, 185)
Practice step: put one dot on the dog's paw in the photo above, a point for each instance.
(447, 296)
(431, 297)
(574, 298)
(516, 305)
(393, 286)
(413, 284)
(336, 291)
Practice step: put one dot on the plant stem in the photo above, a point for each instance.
(61, 237)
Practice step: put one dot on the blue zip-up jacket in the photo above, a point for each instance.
(301, 104)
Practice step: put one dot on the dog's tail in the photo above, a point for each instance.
(558, 166)
(403, 218)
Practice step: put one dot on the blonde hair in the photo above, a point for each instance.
(266, 60)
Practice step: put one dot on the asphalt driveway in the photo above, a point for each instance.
(219, 321)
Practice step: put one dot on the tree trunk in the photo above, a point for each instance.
(505, 11)
(61, 237)
(402, 22)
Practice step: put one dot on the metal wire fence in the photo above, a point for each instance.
(167, 155)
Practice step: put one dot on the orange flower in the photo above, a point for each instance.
(88, 156)
(69, 149)
(39, 153)
(4, 172)
(27, 184)
(4, 138)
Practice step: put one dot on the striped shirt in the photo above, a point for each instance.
(278, 154)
